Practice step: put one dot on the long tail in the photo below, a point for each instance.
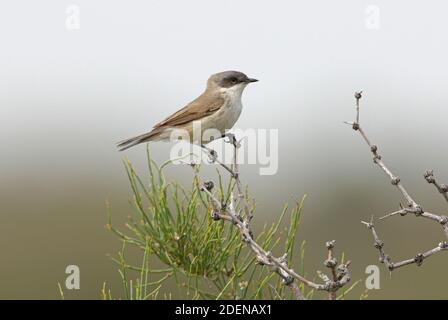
(128, 143)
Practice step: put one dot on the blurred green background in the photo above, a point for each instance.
(67, 96)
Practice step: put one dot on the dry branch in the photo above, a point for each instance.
(340, 274)
(442, 188)
(412, 206)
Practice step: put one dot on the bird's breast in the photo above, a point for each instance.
(232, 112)
(225, 117)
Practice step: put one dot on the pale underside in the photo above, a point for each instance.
(204, 119)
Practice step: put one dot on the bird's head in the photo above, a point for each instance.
(229, 82)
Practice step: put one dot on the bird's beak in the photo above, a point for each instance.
(249, 80)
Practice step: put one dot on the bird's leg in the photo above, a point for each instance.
(232, 139)
(213, 155)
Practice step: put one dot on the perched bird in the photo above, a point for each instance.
(219, 107)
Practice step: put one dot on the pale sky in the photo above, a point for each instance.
(66, 97)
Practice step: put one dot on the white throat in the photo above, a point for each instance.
(232, 108)
(233, 94)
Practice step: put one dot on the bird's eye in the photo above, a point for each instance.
(234, 80)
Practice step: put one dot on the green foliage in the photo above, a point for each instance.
(184, 253)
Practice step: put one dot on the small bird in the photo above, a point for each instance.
(219, 107)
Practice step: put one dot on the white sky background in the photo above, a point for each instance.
(132, 64)
(67, 96)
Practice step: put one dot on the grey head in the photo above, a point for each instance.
(228, 79)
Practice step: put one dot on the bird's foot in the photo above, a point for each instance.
(231, 139)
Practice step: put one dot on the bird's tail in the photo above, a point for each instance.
(128, 143)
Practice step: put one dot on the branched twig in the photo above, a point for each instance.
(384, 257)
(332, 263)
(412, 206)
(341, 273)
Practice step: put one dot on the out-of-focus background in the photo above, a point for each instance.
(67, 95)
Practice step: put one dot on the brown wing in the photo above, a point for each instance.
(205, 105)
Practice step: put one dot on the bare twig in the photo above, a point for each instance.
(341, 273)
(331, 263)
(412, 206)
(384, 257)
(442, 188)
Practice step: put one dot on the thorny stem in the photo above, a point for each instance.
(412, 206)
(341, 274)
(331, 263)
(442, 188)
(236, 176)
(358, 96)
